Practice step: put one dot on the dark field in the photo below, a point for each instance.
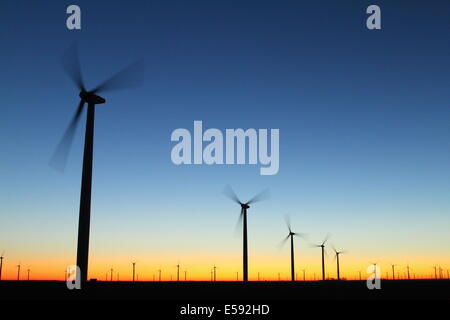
(228, 291)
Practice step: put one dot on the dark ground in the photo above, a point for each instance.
(228, 291)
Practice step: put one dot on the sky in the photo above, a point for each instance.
(363, 117)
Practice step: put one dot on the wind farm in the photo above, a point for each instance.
(173, 286)
(316, 167)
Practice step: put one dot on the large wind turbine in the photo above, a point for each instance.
(129, 77)
(322, 245)
(243, 217)
(291, 235)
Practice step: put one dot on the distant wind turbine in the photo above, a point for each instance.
(322, 246)
(243, 217)
(18, 272)
(134, 268)
(1, 264)
(290, 236)
(393, 271)
(336, 256)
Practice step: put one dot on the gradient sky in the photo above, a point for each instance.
(363, 118)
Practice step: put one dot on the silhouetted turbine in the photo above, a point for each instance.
(18, 272)
(336, 256)
(129, 77)
(134, 268)
(243, 217)
(393, 271)
(291, 235)
(322, 245)
(1, 264)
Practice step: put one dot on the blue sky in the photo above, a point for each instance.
(363, 118)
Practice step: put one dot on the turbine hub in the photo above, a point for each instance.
(245, 206)
(91, 98)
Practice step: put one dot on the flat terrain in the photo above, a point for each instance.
(228, 291)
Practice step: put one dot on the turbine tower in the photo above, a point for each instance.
(1, 264)
(18, 272)
(336, 256)
(129, 77)
(134, 268)
(322, 246)
(290, 236)
(243, 217)
(393, 271)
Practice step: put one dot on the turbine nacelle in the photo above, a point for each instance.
(245, 206)
(91, 98)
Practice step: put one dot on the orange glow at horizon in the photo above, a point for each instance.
(229, 268)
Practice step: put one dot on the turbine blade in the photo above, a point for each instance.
(71, 64)
(288, 222)
(228, 191)
(59, 158)
(301, 235)
(263, 195)
(129, 77)
(238, 227)
(282, 242)
(326, 238)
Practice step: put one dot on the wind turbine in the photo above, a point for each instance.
(134, 268)
(243, 217)
(129, 77)
(290, 236)
(336, 256)
(393, 271)
(375, 270)
(407, 268)
(322, 245)
(1, 264)
(18, 272)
